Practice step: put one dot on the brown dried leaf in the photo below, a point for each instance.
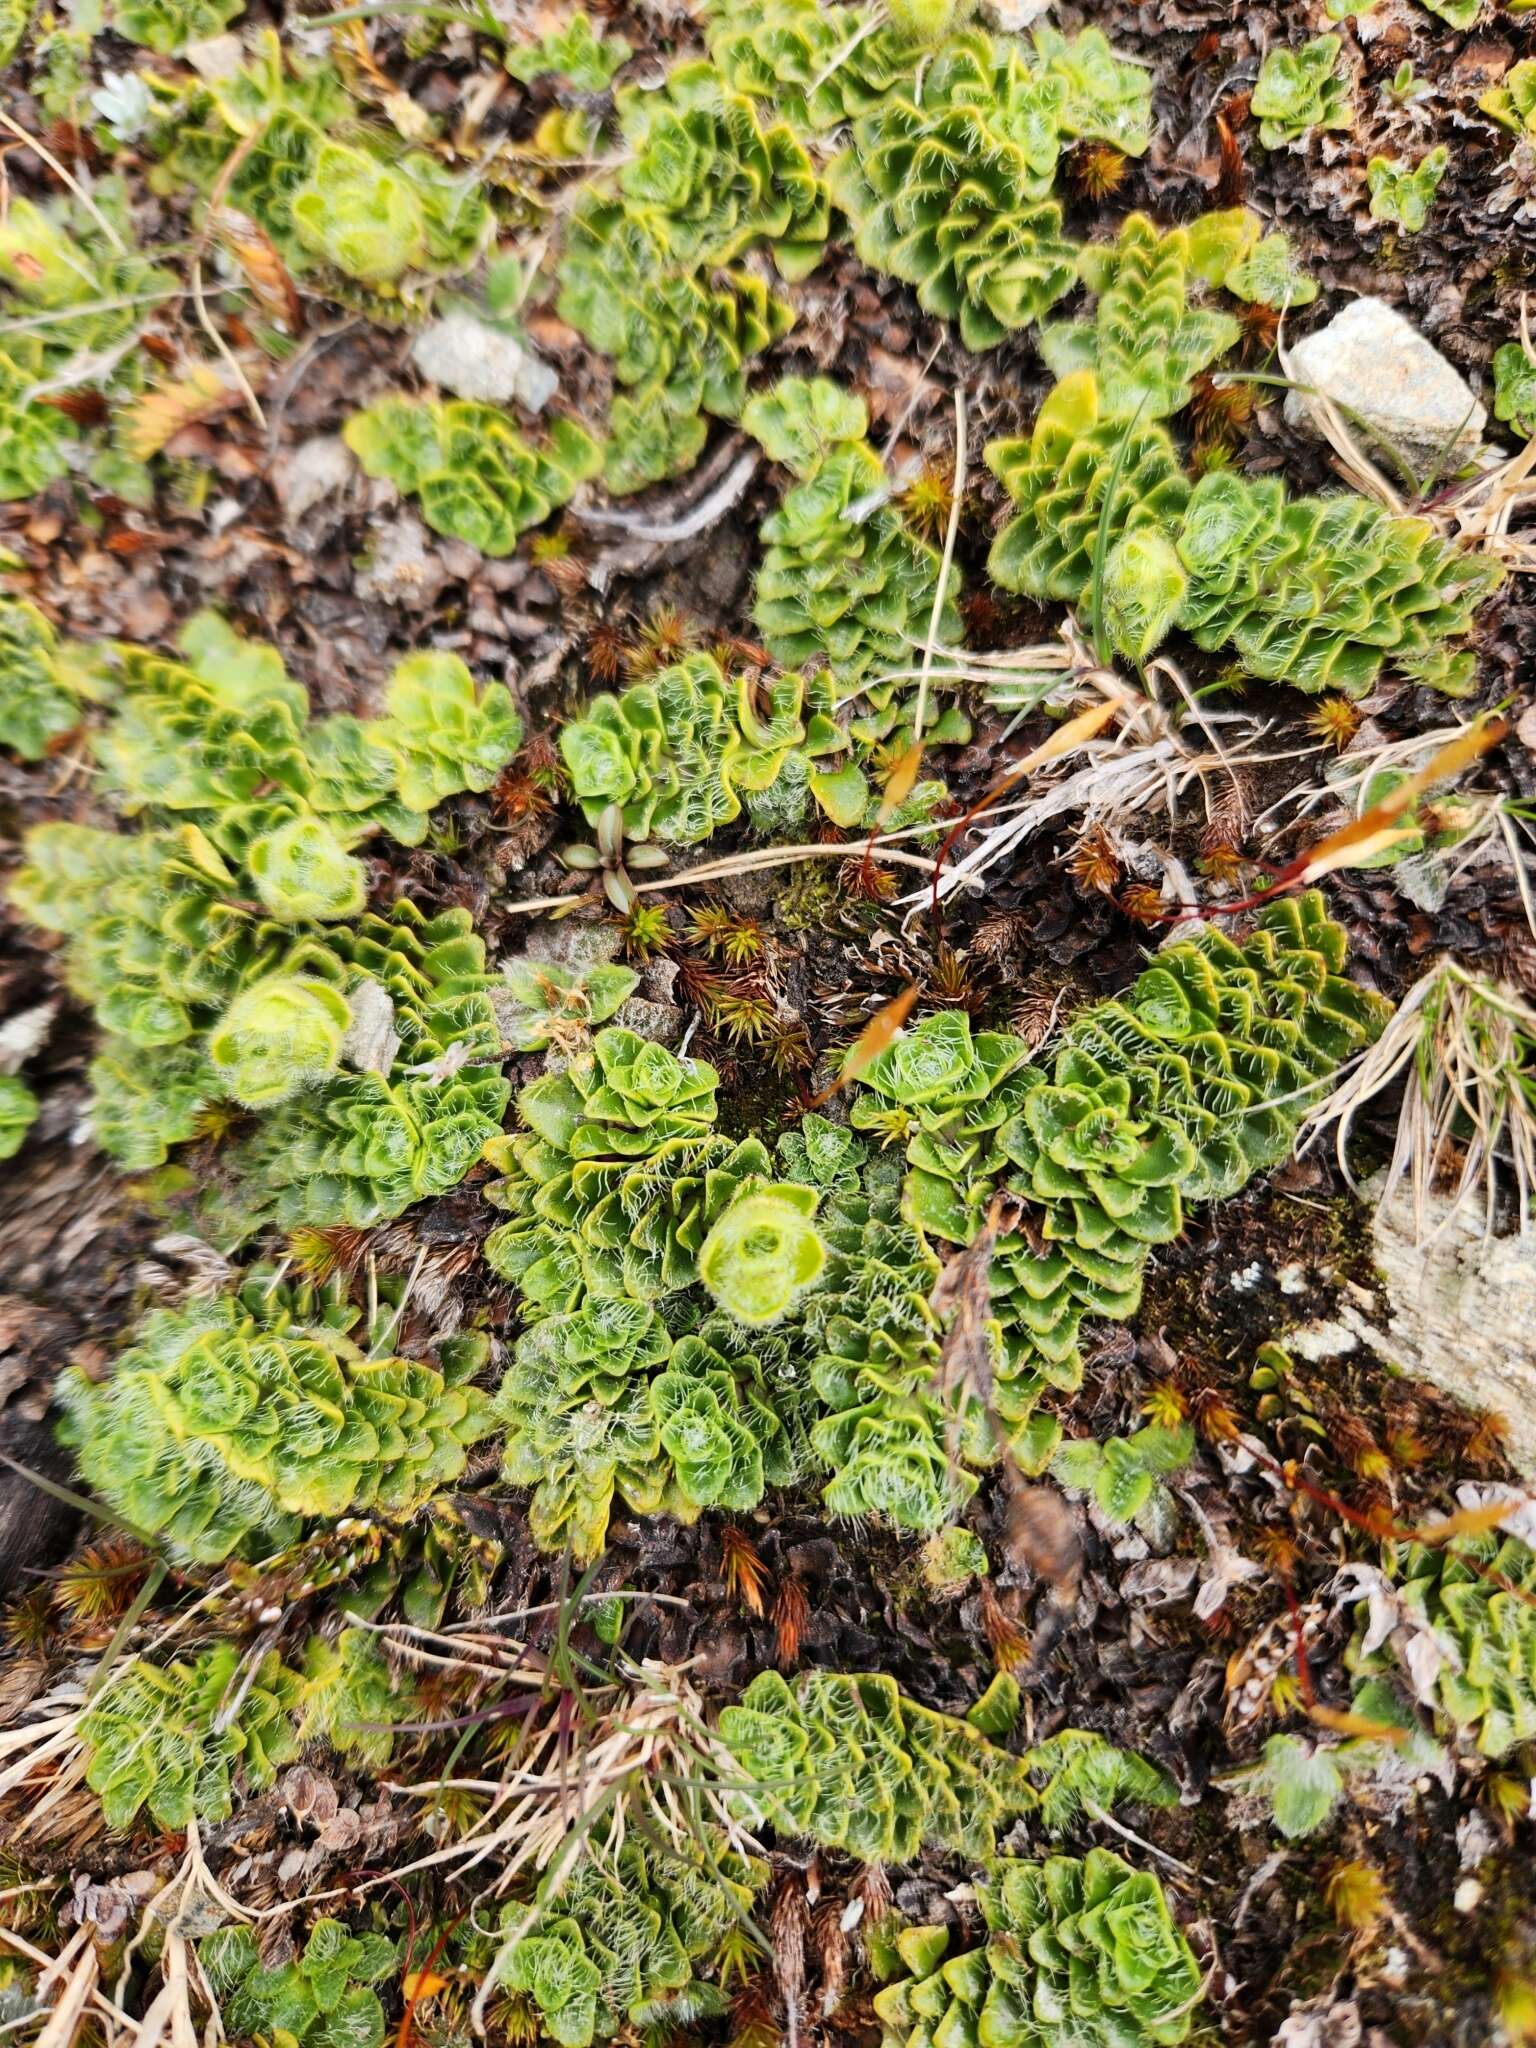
(788, 1924)
(1372, 831)
(161, 414)
(899, 783)
(871, 1041)
(263, 269)
(963, 1294)
(1040, 1531)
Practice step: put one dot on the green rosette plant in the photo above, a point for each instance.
(762, 1252)
(1322, 592)
(1103, 97)
(303, 874)
(604, 1403)
(682, 342)
(1145, 342)
(855, 1764)
(167, 26)
(1299, 90)
(321, 1999)
(281, 1034)
(652, 270)
(338, 196)
(539, 1003)
(680, 753)
(574, 52)
(1514, 388)
(616, 1945)
(41, 701)
(846, 582)
(1124, 1474)
(163, 1737)
(894, 1448)
(715, 180)
(361, 1149)
(18, 1112)
(360, 216)
(211, 937)
(73, 284)
(1403, 193)
(1230, 248)
(34, 439)
(1080, 1953)
(1178, 1092)
(1317, 592)
(615, 1178)
(1475, 1597)
(225, 1428)
(475, 477)
(1297, 1783)
(1076, 455)
(352, 1698)
(15, 19)
(815, 66)
(950, 192)
(444, 733)
(1512, 102)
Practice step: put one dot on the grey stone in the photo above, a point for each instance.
(1376, 365)
(1010, 17)
(570, 943)
(371, 1040)
(462, 354)
(661, 1021)
(315, 471)
(402, 566)
(1459, 1312)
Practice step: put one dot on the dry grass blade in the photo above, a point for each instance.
(1484, 509)
(930, 645)
(77, 1968)
(1365, 835)
(1144, 767)
(1077, 732)
(1466, 1048)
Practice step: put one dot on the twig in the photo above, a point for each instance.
(73, 183)
(877, 20)
(957, 494)
(741, 864)
(668, 531)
